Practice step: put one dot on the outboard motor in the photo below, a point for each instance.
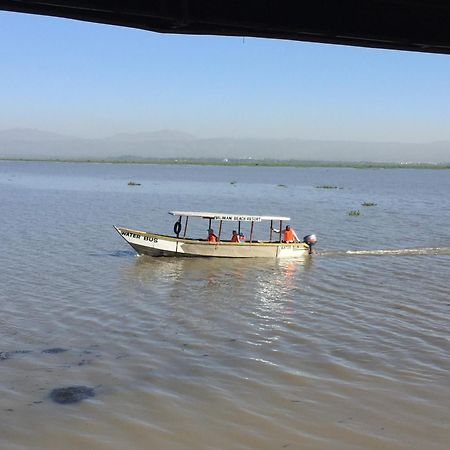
(310, 240)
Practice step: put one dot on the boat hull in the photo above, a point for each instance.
(151, 244)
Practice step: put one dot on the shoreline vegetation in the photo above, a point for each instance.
(242, 162)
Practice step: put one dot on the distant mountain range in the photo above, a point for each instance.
(30, 143)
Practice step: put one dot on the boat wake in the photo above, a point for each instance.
(427, 251)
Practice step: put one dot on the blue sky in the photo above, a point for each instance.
(94, 80)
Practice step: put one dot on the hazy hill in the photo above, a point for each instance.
(161, 135)
(176, 144)
(27, 134)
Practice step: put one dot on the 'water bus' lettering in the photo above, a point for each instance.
(132, 235)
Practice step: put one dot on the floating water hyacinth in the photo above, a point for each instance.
(133, 183)
(368, 204)
(354, 212)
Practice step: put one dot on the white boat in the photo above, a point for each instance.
(154, 244)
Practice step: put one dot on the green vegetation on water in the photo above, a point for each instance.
(326, 186)
(368, 204)
(354, 213)
(248, 162)
(133, 183)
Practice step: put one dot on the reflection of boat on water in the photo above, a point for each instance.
(202, 281)
(153, 244)
(205, 270)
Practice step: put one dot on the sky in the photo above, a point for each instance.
(92, 80)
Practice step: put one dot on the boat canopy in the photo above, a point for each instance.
(226, 216)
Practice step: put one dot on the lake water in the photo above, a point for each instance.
(348, 349)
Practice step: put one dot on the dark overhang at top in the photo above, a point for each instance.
(416, 25)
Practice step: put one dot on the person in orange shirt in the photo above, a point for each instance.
(289, 234)
(211, 236)
(235, 237)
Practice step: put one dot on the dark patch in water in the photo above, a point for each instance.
(345, 420)
(71, 394)
(7, 355)
(84, 362)
(55, 350)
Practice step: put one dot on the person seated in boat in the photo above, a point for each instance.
(289, 234)
(241, 237)
(235, 237)
(211, 236)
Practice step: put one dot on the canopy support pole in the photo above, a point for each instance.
(251, 232)
(271, 230)
(281, 228)
(220, 230)
(185, 226)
